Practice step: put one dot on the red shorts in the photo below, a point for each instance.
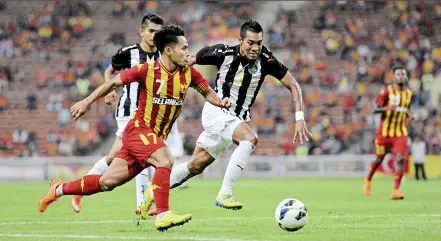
(139, 142)
(394, 145)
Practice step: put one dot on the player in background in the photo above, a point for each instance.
(391, 137)
(126, 58)
(241, 71)
(164, 84)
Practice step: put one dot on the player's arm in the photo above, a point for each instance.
(133, 74)
(209, 55)
(382, 102)
(280, 72)
(120, 61)
(201, 85)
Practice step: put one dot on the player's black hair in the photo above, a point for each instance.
(397, 67)
(168, 35)
(151, 17)
(250, 25)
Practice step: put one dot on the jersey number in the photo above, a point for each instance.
(160, 86)
(146, 141)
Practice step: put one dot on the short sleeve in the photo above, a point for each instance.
(211, 55)
(135, 74)
(121, 60)
(382, 98)
(273, 66)
(198, 82)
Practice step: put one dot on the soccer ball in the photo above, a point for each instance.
(291, 214)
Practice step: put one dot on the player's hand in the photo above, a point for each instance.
(301, 132)
(225, 103)
(78, 109)
(110, 98)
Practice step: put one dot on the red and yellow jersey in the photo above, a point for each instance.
(394, 122)
(161, 94)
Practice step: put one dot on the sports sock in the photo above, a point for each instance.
(99, 168)
(161, 188)
(86, 185)
(237, 163)
(372, 170)
(179, 175)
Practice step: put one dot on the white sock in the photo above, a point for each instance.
(150, 173)
(237, 163)
(99, 168)
(178, 174)
(141, 185)
(59, 191)
(161, 215)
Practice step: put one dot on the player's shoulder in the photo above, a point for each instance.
(224, 49)
(266, 55)
(127, 49)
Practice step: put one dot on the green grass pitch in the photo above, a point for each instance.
(337, 211)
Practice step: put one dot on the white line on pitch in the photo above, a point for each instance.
(216, 219)
(76, 236)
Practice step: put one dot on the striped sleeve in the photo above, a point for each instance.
(137, 73)
(382, 98)
(198, 82)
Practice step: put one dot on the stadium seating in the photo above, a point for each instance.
(338, 54)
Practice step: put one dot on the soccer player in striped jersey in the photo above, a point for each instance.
(164, 84)
(241, 71)
(393, 103)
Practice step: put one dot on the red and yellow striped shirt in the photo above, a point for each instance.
(162, 93)
(394, 122)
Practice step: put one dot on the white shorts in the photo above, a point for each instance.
(218, 130)
(174, 142)
(121, 122)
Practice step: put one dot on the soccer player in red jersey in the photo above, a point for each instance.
(393, 103)
(165, 84)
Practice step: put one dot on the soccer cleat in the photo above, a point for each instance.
(137, 211)
(396, 195)
(228, 202)
(76, 203)
(50, 196)
(171, 220)
(147, 202)
(367, 187)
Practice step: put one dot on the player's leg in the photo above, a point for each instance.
(163, 162)
(186, 170)
(246, 139)
(423, 171)
(417, 170)
(101, 166)
(116, 175)
(399, 153)
(380, 150)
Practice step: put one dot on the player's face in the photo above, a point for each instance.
(179, 54)
(400, 76)
(148, 32)
(251, 45)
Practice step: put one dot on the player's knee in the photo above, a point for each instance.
(379, 160)
(196, 168)
(109, 159)
(107, 184)
(253, 139)
(166, 162)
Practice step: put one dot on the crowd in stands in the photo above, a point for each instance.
(365, 53)
(339, 100)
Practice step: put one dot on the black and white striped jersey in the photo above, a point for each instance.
(239, 78)
(125, 58)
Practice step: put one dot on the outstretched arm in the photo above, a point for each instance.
(81, 107)
(136, 73)
(301, 131)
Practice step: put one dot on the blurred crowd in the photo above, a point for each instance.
(339, 88)
(340, 110)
